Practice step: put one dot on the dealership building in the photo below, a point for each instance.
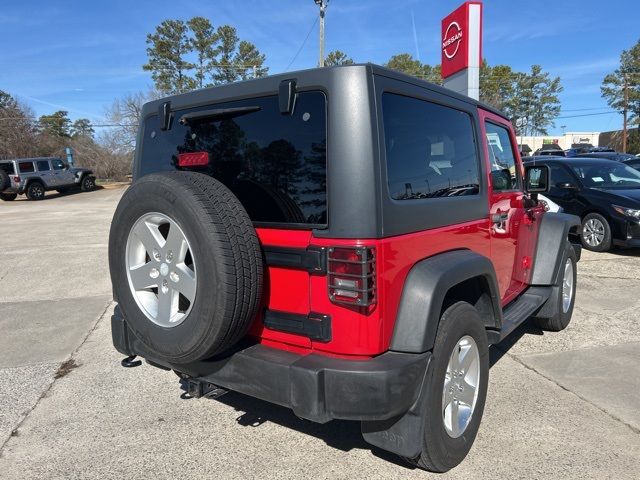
(568, 140)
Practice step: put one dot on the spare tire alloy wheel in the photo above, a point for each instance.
(186, 266)
(161, 272)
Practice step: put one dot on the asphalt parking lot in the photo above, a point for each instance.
(562, 405)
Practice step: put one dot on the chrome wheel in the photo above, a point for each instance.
(593, 232)
(161, 269)
(460, 390)
(567, 286)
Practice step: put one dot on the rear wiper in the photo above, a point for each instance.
(216, 114)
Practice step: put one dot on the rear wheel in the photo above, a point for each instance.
(596, 233)
(35, 191)
(8, 197)
(456, 388)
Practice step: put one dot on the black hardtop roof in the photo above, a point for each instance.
(270, 83)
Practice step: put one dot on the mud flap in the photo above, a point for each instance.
(402, 435)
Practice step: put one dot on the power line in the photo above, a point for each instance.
(313, 25)
(589, 114)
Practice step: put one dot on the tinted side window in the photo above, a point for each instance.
(57, 164)
(275, 164)
(430, 149)
(43, 166)
(504, 174)
(559, 174)
(26, 167)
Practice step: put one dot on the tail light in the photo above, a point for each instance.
(352, 275)
(16, 179)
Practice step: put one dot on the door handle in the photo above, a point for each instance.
(500, 217)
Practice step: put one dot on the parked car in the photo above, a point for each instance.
(34, 176)
(346, 242)
(616, 156)
(604, 194)
(601, 149)
(549, 153)
(576, 151)
(633, 162)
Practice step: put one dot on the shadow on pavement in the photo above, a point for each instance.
(340, 434)
(496, 352)
(53, 194)
(625, 252)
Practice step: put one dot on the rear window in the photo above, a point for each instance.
(430, 149)
(26, 167)
(7, 167)
(275, 164)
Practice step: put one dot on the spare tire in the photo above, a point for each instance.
(186, 265)
(5, 182)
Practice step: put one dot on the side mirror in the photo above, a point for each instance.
(566, 186)
(536, 179)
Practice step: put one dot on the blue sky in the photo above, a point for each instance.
(80, 56)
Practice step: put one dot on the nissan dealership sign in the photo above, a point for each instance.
(462, 48)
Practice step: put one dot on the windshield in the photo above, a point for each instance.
(608, 176)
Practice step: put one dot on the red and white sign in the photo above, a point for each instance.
(462, 38)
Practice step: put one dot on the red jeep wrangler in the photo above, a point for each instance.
(346, 242)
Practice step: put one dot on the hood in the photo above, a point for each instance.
(626, 197)
(79, 170)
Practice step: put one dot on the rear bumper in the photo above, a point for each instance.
(315, 387)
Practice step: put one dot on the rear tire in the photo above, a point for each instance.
(225, 263)
(446, 443)
(565, 293)
(8, 197)
(35, 191)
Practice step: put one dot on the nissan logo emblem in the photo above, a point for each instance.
(451, 40)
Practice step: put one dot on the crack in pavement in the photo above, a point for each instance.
(606, 412)
(44, 393)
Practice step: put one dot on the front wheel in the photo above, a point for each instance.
(596, 233)
(456, 388)
(565, 292)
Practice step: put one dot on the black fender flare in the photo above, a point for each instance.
(424, 293)
(553, 234)
(28, 181)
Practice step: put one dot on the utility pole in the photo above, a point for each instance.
(323, 6)
(625, 101)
